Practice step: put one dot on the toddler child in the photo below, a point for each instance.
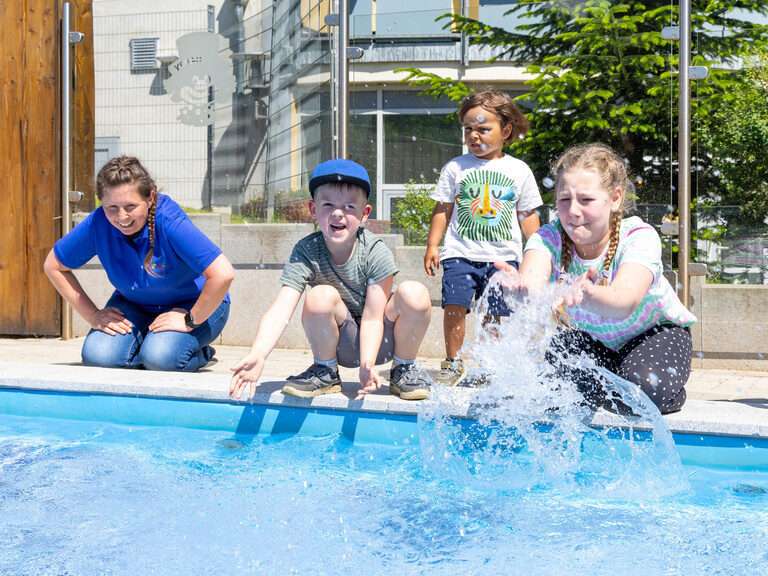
(483, 199)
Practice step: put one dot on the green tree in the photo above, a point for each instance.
(736, 136)
(601, 72)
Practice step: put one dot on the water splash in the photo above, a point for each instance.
(531, 429)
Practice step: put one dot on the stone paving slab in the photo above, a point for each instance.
(720, 402)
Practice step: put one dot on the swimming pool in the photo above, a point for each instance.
(93, 484)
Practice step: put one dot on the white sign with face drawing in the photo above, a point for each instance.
(198, 68)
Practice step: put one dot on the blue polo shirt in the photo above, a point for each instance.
(180, 256)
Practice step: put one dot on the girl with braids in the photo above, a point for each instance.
(622, 312)
(170, 300)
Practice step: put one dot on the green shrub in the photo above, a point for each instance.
(413, 213)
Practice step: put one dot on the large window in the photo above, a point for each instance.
(416, 146)
(362, 148)
(400, 137)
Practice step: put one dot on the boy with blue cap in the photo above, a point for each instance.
(353, 315)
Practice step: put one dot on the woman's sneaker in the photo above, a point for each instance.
(452, 372)
(408, 382)
(314, 381)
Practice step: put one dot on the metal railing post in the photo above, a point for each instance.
(66, 147)
(342, 78)
(68, 37)
(684, 154)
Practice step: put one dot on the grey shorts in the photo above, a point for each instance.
(348, 350)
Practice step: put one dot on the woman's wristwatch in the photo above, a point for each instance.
(189, 322)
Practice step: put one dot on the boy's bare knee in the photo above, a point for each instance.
(414, 295)
(321, 300)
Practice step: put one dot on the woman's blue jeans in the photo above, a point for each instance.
(170, 351)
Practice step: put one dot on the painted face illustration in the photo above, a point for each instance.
(486, 205)
(487, 202)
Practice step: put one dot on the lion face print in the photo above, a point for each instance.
(486, 206)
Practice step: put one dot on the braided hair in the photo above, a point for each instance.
(612, 173)
(128, 170)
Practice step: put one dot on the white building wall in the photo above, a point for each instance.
(134, 110)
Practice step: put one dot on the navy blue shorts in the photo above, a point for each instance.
(465, 279)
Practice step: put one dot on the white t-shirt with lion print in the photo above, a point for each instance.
(487, 195)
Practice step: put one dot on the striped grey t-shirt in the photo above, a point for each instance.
(311, 265)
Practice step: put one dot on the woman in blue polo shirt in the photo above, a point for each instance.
(170, 300)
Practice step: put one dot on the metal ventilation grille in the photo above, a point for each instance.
(143, 54)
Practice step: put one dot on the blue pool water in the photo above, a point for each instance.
(83, 496)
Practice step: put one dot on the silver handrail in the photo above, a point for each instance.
(684, 153)
(68, 37)
(343, 80)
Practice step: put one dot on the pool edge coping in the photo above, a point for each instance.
(704, 417)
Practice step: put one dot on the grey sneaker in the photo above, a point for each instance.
(314, 381)
(478, 378)
(452, 372)
(408, 382)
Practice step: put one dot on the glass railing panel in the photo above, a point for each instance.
(730, 150)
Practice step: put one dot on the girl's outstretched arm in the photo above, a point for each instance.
(617, 300)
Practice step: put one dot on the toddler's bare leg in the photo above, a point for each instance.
(454, 329)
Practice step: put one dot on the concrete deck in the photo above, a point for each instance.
(720, 402)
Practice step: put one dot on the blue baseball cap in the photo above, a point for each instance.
(340, 170)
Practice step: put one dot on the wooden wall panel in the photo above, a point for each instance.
(29, 160)
(12, 254)
(41, 153)
(84, 103)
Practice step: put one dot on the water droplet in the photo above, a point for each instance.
(547, 182)
(481, 117)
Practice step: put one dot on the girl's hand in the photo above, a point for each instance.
(585, 285)
(173, 320)
(110, 321)
(432, 260)
(511, 280)
(369, 379)
(246, 371)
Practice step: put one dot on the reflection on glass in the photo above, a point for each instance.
(417, 146)
(362, 149)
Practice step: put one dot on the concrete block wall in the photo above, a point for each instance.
(732, 332)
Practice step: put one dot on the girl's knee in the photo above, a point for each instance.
(105, 351)
(169, 352)
(167, 360)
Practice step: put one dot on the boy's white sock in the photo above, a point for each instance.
(333, 364)
(397, 360)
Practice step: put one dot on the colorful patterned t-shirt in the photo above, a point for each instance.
(640, 244)
(488, 194)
